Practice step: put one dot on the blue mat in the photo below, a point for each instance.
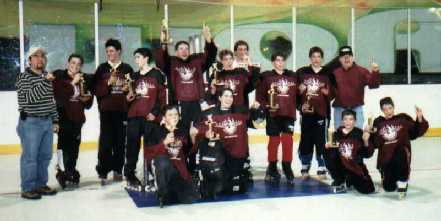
(259, 190)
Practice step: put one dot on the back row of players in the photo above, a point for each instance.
(182, 113)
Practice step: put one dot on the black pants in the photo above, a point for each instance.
(190, 112)
(398, 169)
(69, 139)
(170, 185)
(137, 127)
(313, 133)
(340, 174)
(111, 145)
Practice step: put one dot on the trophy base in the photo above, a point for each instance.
(272, 108)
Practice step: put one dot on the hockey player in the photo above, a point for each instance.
(277, 93)
(146, 97)
(344, 156)
(392, 136)
(185, 72)
(72, 98)
(224, 130)
(173, 180)
(316, 93)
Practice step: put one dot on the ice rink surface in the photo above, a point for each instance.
(112, 202)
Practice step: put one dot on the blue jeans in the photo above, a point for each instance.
(338, 120)
(36, 135)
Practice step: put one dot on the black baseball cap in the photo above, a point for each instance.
(345, 50)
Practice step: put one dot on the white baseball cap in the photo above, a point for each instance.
(35, 50)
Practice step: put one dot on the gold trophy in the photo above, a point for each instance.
(370, 123)
(174, 147)
(309, 108)
(130, 82)
(272, 92)
(83, 91)
(331, 139)
(210, 122)
(114, 74)
(216, 80)
(165, 37)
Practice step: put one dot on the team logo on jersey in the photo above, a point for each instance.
(118, 86)
(142, 89)
(346, 150)
(390, 133)
(186, 74)
(312, 86)
(174, 148)
(283, 86)
(229, 126)
(76, 95)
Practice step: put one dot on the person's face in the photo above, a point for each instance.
(347, 61)
(113, 55)
(242, 51)
(140, 60)
(183, 51)
(226, 100)
(348, 121)
(74, 65)
(279, 63)
(38, 61)
(316, 59)
(227, 61)
(171, 117)
(388, 110)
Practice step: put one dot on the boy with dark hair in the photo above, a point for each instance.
(185, 72)
(146, 97)
(277, 93)
(110, 88)
(72, 97)
(344, 156)
(315, 95)
(392, 136)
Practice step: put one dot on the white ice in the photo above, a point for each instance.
(93, 202)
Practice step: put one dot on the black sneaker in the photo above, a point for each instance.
(305, 171)
(46, 191)
(117, 177)
(321, 173)
(402, 192)
(31, 195)
(61, 178)
(133, 183)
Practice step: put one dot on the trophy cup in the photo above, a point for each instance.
(174, 147)
(114, 74)
(331, 139)
(216, 80)
(210, 122)
(130, 82)
(83, 91)
(165, 38)
(309, 108)
(272, 92)
(370, 123)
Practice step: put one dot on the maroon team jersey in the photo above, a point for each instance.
(175, 151)
(351, 84)
(67, 98)
(315, 83)
(396, 133)
(150, 94)
(231, 126)
(286, 89)
(111, 98)
(352, 150)
(186, 76)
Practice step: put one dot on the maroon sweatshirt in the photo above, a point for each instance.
(314, 83)
(150, 93)
(111, 98)
(67, 98)
(151, 150)
(186, 76)
(286, 88)
(396, 133)
(351, 84)
(231, 125)
(352, 149)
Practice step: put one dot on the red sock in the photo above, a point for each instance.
(287, 147)
(273, 146)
